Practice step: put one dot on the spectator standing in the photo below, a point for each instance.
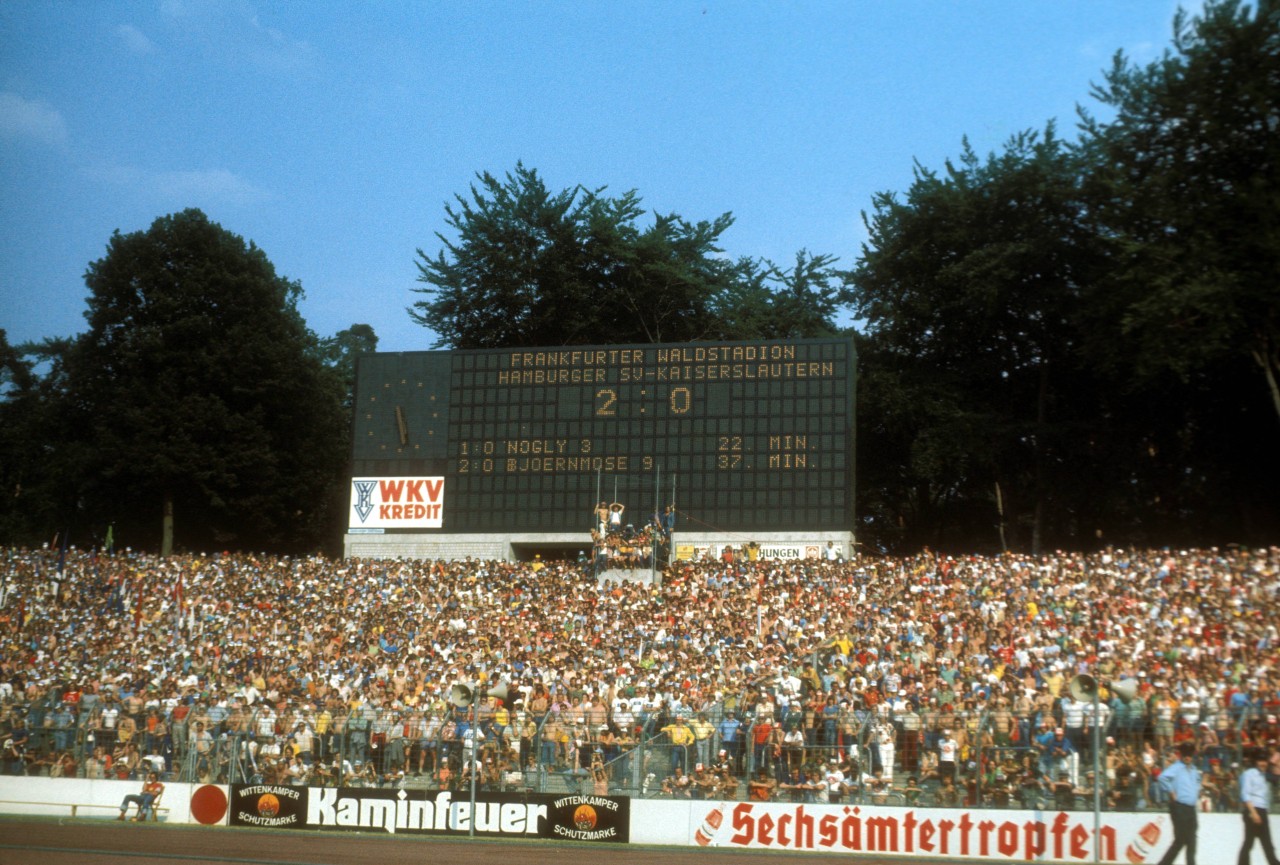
(1181, 780)
(1255, 800)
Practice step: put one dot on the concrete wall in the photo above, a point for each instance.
(502, 546)
(53, 797)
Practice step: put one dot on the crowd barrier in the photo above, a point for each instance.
(887, 758)
(933, 834)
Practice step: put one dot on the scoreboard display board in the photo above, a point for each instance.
(741, 436)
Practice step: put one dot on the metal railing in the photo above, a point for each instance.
(882, 756)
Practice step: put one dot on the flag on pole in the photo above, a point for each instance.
(137, 606)
(110, 542)
(177, 596)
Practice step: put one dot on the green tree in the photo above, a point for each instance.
(773, 302)
(533, 267)
(35, 499)
(199, 393)
(340, 352)
(970, 291)
(1187, 178)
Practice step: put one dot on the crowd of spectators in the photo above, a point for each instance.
(891, 679)
(619, 544)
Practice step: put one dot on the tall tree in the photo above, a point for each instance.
(529, 266)
(1187, 177)
(970, 290)
(36, 450)
(202, 393)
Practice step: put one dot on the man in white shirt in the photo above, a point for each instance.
(948, 749)
(834, 781)
(1073, 720)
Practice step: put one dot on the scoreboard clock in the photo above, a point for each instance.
(740, 436)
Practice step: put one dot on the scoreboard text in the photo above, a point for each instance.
(742, 436)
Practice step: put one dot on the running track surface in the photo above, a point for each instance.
(54, 841)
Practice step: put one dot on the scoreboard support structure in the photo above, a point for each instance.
(505, 453)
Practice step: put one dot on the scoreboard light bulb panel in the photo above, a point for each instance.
(741, 435)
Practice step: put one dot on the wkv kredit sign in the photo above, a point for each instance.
(396, 503)
(433, 812)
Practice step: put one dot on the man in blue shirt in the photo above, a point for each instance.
(1181, 780)
(731, 740)
(1255, 797)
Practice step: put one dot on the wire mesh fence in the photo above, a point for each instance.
(764, 743)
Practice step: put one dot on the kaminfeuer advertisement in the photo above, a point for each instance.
(593, 819)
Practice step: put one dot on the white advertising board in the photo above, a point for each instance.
(396, 503)
(930, 833)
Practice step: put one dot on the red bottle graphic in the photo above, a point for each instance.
(1142, 846)
(706, 833)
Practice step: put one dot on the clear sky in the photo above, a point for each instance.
(333, 134)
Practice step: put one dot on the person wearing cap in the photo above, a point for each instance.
(948, 753)
(681, 738)
(834, 780)
(1255, 800)
(1182, 781)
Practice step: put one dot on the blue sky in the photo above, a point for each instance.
(332, 135)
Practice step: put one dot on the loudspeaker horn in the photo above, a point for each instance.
(1083, 688)
(462, 695)
(1125, 689)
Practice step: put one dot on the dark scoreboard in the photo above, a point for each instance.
(741, 436)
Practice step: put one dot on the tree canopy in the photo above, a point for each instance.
(529, 266)
(199, 394)
(970, 289)
(1063, 340)
(1187, 177)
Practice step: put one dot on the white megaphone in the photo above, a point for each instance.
(1125, 689)
(1084, 688)
(463, 695)
(460, 695)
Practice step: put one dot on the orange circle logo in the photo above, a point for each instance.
(268, 805)
(585, 817)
